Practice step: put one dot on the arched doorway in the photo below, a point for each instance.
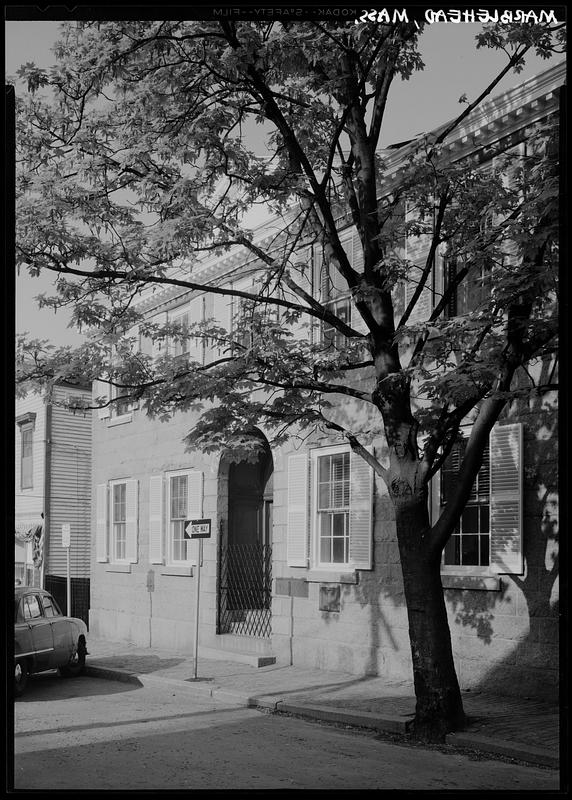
(245, 552)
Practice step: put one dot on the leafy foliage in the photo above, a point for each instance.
(145, 151)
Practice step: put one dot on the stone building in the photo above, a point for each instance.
(302, 562)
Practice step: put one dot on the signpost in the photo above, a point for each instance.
(198, 529)
(66, 542)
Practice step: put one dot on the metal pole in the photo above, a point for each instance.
(68, 582)
(199, 561)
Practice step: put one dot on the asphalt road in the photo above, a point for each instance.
(90, 733)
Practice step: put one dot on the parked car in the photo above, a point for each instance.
(44, 638)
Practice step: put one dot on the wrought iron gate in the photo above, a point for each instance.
(245, 589)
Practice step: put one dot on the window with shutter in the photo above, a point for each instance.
(488, 536)
(184, 502)
(123, 521)
(342, 509)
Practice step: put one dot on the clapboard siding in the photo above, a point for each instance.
(70, 486)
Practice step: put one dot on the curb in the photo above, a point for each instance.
(521, 752)
(362, 719)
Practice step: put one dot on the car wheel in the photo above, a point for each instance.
(76, 664)
(20, 677)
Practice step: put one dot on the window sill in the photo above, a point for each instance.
(118, 568)
(120, 420)
(475, 583)
(186, 571)
(333, 576)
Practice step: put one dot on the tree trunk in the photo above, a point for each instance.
(439, 708)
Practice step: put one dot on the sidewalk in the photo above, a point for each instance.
(518, 728)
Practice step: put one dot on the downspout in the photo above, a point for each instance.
(47, 490)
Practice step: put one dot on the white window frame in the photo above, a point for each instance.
(192, 546)
(316, 563)
(113, 522)
(105, 534)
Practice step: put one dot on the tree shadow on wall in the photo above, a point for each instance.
(534, 594)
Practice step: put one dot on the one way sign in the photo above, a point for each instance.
(197, 529)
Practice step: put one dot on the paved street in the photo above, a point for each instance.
(102, 734)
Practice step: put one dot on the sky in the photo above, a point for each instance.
(453, 67)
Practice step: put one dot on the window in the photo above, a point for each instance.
(183, 501)
(178, 503)
(329, 510)
(118, 521)
(181, 345)
(27, 456)
(470, 543)
(335, 294)
(332, 337)
(50, 607)
(333, 508)
(123, 406)
(27, 424)
(32, 608)
(474, 289)
(488, 535)
(187, 346)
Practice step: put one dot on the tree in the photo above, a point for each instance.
(140, 160)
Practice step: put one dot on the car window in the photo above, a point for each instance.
(19, 610)
(32, 608)
(50, 607)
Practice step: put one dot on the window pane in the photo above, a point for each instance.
(324, 495)
(470, 520)
(470, 550)
(339, 554)
(452, 550)
(339, 524)
(485, 519)
(325, 550)
(484, 543)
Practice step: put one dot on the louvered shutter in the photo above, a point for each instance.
(131, 520)
(102, 389)
(298, 509)
(101, 541)
(156, 519)
(361, 513)
(506, 498)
